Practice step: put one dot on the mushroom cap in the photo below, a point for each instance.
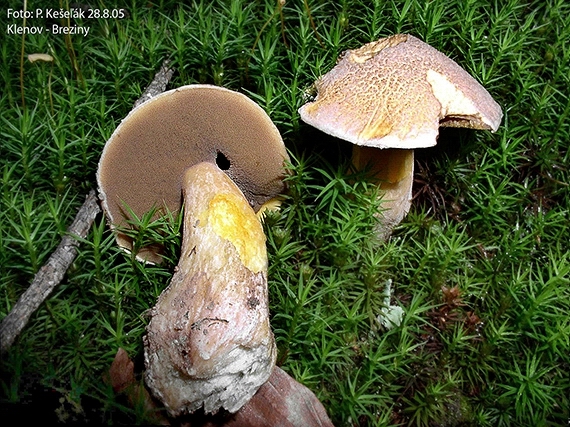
(143, 163)
(395, 93)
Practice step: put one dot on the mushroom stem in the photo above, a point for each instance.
(209, 342)
(394, 168)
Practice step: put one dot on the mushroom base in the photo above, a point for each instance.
(199, 359)
(209, 342)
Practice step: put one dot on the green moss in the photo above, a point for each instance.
(480, 265)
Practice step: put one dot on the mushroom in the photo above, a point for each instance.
(143, 162)
(208, 343)
(393, 94)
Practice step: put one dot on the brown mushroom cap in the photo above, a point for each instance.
(395, 93)
(143, 162)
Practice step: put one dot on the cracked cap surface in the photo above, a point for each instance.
(395, 93)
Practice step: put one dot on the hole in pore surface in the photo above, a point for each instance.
(222, 161)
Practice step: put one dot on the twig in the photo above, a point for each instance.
(52, 272)
(158, 84)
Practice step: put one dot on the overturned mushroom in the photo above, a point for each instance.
(209, 343)
(143, 162)
(393, 94)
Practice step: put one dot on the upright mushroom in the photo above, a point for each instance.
(209, 343)
(393, 94)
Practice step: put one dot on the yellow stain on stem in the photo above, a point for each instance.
(233, 219)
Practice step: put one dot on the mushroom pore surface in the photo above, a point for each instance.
(144, 160)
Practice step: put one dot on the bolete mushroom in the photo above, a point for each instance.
(144, 160)
(208, 343)
(393, 94)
